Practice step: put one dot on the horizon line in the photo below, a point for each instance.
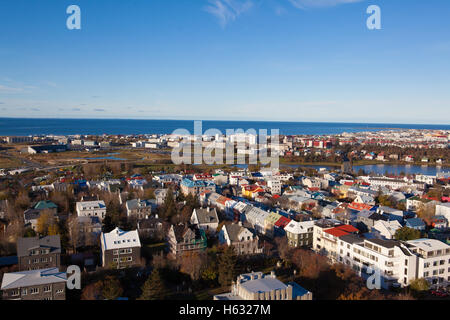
(280, 121)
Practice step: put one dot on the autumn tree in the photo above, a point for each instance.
(47, 224)
(111, 288)
(227, 265)
(92, 291)
(309, 263)
(419, 285)
(193, 264)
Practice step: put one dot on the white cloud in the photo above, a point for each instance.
(6, 89)
(228, 10)
(303, 4)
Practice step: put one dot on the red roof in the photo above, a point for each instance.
(342, 230)
(348, 228)
(336, 232)
(359, 206)
(282, 222)
(276, 196)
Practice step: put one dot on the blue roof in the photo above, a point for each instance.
(7, 261)
(199, 183)
(415, 222)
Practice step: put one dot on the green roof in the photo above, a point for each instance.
(41, 205)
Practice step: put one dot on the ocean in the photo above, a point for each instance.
(25, 127)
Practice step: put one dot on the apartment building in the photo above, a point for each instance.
(43, 284)
(39, 253)
(91, 209)
(274, 185)
(394, 262)
(398, 263)
(300, 234)
(120, 249)
(433, 260)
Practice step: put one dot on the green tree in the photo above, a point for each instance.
(112, 288)
(227, 264)
(170, 205)
(406, 234)
(154, 288)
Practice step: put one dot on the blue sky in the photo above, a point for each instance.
(291, 60)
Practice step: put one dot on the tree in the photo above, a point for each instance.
(227, 264)
(112, 288)
(193, 264)
(29, 233)
(74, 232)
(46, 223)
(92, 291)
(406, 234)
(154, 288)
(170, 206)
(419, 285)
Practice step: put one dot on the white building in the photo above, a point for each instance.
(274, 185)
(443, 209)
(387, 229)
(433, 261)
(91, 209)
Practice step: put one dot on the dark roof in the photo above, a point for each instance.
(389, 244)
(24, 244)
(233, 231)
(352, 238)
(181, 230)
(207, 215)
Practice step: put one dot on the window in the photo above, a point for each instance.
(59, 291)
(426, 274)
(24, 292)
(14, 293)
(47, 289)
(34, 290)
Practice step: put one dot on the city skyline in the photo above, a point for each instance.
(285, 60)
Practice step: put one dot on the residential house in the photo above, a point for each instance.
(300, 234)
(36, 253)
(256, 217)
(139, 209)
(42, 284)
(182, 238)
(152, 227)
(196, 187)
(443, 209)
(387, 229)
(241, 238)
(120, 249)
(415, 223)
(91, 209)
(205, 219)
